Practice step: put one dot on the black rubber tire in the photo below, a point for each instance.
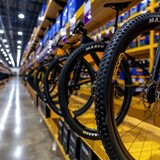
(41, 68)
(63, 83)
(48, 97)
(30, 78)
(104, 106)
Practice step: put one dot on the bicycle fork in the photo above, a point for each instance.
(152, 90)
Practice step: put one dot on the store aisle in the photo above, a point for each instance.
(23, 134)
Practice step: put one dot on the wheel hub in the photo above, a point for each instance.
(151, 93)
(151, 96)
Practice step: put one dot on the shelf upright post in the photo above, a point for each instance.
(151, 51)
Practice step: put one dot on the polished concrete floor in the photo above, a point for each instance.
(23, 134)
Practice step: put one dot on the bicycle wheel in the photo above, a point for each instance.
(75, 93)
(137, 136)
(51, 81)
(30, 78)
(39, 80)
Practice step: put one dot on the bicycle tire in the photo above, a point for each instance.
(111, 139)
(64, 76)
(41, 68)
(48, 97)
(30, 78)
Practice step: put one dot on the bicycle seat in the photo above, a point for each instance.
(118, 5)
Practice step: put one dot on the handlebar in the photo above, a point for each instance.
(79, 28)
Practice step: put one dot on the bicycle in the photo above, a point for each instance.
(52, 77)
(137, 136)
(30, 77)
(70, 90)
(39, 77)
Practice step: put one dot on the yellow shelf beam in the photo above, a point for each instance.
(51, 124)
(138, 49)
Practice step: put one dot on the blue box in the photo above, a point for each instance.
(40, 46)
(127, 14)
(73, 6)
(134, 44)
(144, 40)
(144, 4)
(42, 41)
(109, 24)
(58, 23)
(156, 37)
(65, 16)
(52, 31)
(121, 18)
(50, 34)
(121, 75)
(46, 37)
(41, 14)
(136, 9)
(44, 6)
(134, 73)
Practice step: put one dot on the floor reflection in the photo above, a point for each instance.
(22, 135)
(7, 109)
(17, 111)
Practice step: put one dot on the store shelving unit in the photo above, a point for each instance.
(52, 123)
(97, 21)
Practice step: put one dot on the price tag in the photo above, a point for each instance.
(121, 24)
(57, 38)
(144, 11)
(99, 36)
(72, 23)
(63, 31)
(113, 29)
(107, 32)
(63, 34)
(95, 38)
(87, 11)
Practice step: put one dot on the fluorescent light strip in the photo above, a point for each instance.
(18, 58)
(20, 33)
(11, 58)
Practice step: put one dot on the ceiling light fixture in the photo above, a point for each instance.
(1, 31)
(19, 42)
(41, 18)
(18, 51)
(4, 40)
(7, 46)
(19, 47)
(7, 50)
(9, 62)
(18, 58)
(20, 33)
(7, 59)
(21, 16)
(2, 49)
(5, 55)
(11, 58)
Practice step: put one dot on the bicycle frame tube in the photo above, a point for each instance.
(156, 65)
(86, 39)
(76, 76)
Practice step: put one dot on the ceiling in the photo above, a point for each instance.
(11, 24)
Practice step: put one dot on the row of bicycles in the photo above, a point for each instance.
(91, 87)
(5, 72)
